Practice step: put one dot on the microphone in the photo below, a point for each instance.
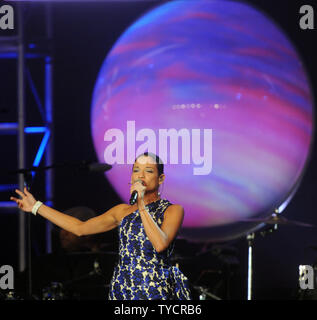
(134, 195)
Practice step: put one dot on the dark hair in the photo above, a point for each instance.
(157, 159)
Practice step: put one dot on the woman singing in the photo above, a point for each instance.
(147, 232)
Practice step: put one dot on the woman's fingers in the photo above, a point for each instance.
(26, 191)
(20, 193)
(18, 201)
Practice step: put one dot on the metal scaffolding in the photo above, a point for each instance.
(22, 50)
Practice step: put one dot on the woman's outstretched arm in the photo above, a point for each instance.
(101, 223)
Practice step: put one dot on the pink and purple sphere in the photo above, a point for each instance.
(218, 91)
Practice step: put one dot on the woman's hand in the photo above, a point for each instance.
(139, 187)
(27, 202)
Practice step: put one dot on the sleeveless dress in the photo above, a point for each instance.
(141, 272)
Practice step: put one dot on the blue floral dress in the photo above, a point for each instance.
(142, 273)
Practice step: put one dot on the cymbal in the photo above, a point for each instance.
(277, 219)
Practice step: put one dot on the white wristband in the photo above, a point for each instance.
(36, 207)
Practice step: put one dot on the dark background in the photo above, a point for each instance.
(83, 35)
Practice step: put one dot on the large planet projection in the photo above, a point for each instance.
(219, 92)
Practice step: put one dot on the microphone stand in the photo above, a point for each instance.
(250, 239)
